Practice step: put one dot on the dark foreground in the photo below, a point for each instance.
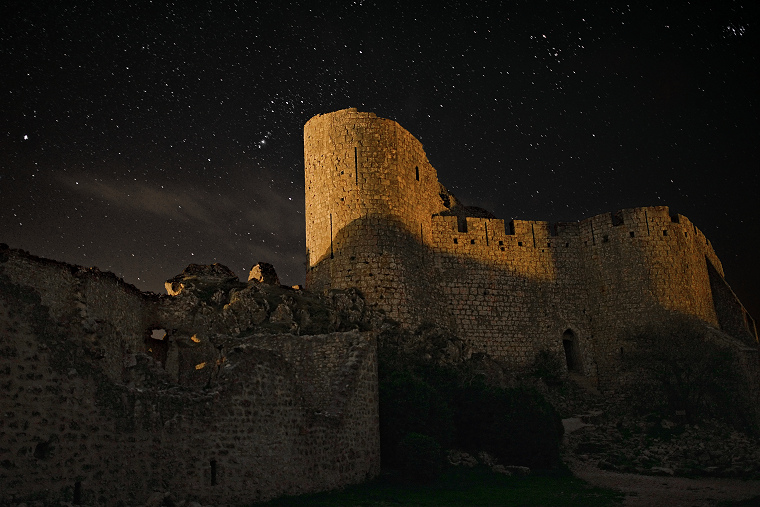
(465, 487)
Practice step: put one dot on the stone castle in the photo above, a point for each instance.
(231, 392)
(378, 219)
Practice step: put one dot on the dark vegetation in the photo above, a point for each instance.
(428, 404)
(685, 369)
(464, 486)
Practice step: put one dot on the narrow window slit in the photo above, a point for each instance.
(356, 164)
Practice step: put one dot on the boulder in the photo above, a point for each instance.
(263, 272)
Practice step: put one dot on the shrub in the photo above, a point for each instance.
(421, 457)
(517, 426)
(680, 366)
(549, 367)
(408, 404)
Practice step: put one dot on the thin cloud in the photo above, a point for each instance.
(184, 205)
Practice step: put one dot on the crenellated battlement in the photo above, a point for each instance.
(474, 236)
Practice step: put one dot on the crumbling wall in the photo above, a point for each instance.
(274, 414)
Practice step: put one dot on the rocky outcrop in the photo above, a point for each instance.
(211, 299)
(199, 276)
(656, 446)
(603, 431)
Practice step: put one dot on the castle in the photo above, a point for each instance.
(229, 392)
(378, 219)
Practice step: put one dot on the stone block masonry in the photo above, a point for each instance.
(378, 219)
(90, 415)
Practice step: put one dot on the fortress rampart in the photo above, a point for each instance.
(378, 219)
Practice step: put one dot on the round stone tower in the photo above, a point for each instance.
(370, 195)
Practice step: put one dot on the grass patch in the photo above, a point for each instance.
(463, 487)
(749, 502)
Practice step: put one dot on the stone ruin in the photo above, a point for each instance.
(222, 392)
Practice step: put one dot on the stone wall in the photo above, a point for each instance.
(88, 414)
(509, 289)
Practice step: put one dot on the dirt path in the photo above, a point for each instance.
(646, 491)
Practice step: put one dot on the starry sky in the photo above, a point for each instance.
(140, 137)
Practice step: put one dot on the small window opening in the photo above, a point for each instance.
(157, 345)
(519, 243)
(456, 241)
(356, 164)
(332, 253)
(417, 172)
(567, 245)
(461, 224)
(633, 234)
(77, 500)
(472, 241)
(664, 232)
(42, 450)
(502, 249)
(569, 343)
(501, 243)
(605, 239)
(213, 472)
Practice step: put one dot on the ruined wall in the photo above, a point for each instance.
(89, 418)
(510, 290)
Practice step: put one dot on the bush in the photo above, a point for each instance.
(408, 404)
(517, 426)
(421, 457)
(681, 367)
(549, 367)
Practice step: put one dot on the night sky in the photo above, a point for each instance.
(142, 137)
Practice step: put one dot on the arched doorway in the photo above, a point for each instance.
(572, 354)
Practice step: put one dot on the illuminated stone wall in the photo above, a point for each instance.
(510, 289)
(89, 416)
